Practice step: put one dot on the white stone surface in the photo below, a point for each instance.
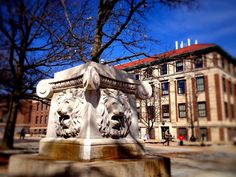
(93, 102)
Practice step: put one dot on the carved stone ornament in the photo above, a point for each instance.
(69, 113)
(115, 111)
(93, 101)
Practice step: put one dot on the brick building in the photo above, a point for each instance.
(23, 116)
(39, 118)
(194, 93)
(33, 116)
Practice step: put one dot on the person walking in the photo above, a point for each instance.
(181, 140)
(167, 138)
(22, 133)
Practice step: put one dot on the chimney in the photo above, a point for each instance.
(176, 45)
(181, 44)
(189, 43)
(196, 42)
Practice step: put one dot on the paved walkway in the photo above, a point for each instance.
(198, 161)
(190, 160)
(28, 145)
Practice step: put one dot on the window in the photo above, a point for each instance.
(198, 63)
(230, 88)
(148, 72)
(204, 134)
(230, 68)
(163, 69)
(181, 86)
(201, 109)
(200, 83)
(153, 89)
(232, 110)
(165, 88)
(37, 106)
(224, 84)
(222, 63)
(150, 112)
(179, 66)
(44, 131)
(36, 120)
(138, 113)
(137, 76)
(182, 110)
(46, 119)
(41, 119)
(165, 111)
(228, 65)
(226, 109)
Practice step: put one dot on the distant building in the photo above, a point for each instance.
(32, 115)
(39, 118)
(23, 116)
(194, 93)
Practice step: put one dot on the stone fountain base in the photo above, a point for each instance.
(90, 149)
(42, 166)
(92, 128)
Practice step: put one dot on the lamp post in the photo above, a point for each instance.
(192, 138)
(193, 95)
(163, 122)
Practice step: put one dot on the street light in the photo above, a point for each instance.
(163, 122)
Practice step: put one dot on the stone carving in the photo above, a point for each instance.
(44, 89)
(69, 113)
(144, 90)
(89, 95)
(91, 79)
(115, 114)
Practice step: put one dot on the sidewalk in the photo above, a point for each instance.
(188, 147)
(29, 145)
(186, 143)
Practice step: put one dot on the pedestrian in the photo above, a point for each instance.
(22, 133)
(146, 136)
(203, 137)
(167, 137)
(181, 140)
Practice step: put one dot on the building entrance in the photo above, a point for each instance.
(163, 130)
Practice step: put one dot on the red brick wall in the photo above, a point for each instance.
(222, 136)
(176, 103)
(228, 98)
(207, 98)
(194, 103)
(44, 113)
(218, 97)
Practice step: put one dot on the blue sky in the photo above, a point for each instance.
(213, 21)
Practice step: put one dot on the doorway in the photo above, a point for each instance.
(163, 130)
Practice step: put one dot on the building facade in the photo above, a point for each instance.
(23, 116)
(39, 118)
(32, 116)
(194, 93)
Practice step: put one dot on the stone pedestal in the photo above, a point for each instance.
(82, 149)
(92, 127)
(39, 166)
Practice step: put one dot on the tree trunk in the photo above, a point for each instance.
(8, 138)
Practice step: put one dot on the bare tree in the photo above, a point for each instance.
(37, 35)
(93, 34)
(26, 54)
